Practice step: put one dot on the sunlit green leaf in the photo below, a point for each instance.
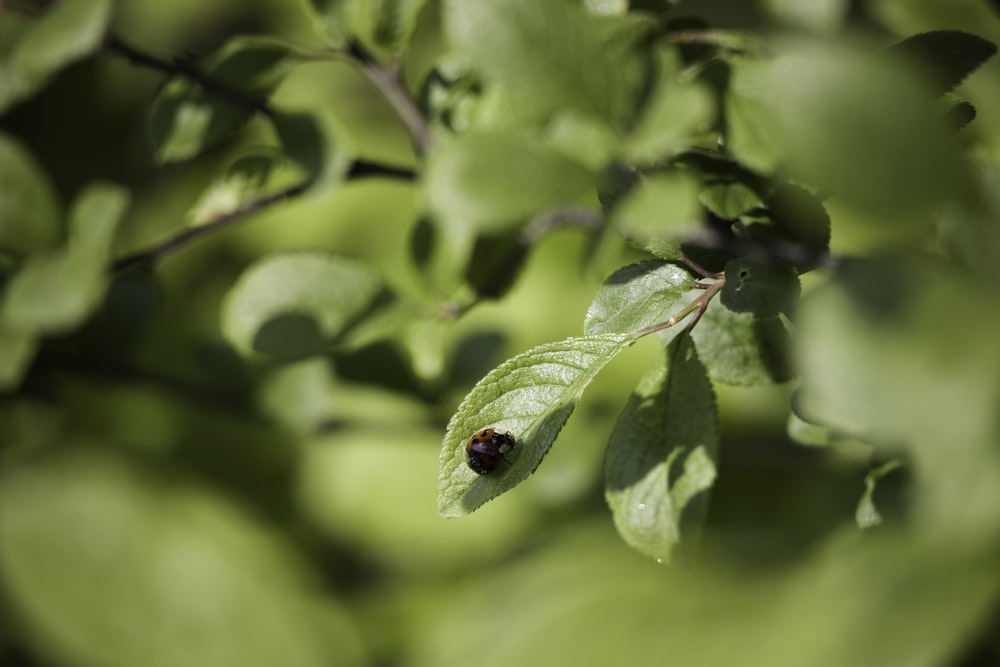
(33, 50)
(189, 117)
(87, 531)
(296, 304)
(530, 396)
(637, 296)
(659, 212)
(55, 291)
(661, 451)
(550, 56)
(488, 182)
(29, 209)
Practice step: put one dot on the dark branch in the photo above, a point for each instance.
(115, 46)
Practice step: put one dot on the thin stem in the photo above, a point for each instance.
(152, 256)
(700, 270)
(185, 237)
(698, 306)
(389, 82)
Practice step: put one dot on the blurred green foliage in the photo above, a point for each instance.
(249, 269)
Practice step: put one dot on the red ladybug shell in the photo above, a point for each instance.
(486, 448)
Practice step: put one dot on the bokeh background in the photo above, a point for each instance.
(164, 502)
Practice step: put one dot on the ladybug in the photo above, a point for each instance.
(486, 448)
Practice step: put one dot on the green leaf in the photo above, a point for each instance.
(187, 118)
(741, 348)
(637, 296)
(550, 56)
(57, 290)
(296, 304)
(661, 451)
(32, 51)
(659, 212)
(491, 182)
(175, 570)
(943, 58)
(308, 140)
(29, 208)
(762, 288)
(530, 396)
(867, 515)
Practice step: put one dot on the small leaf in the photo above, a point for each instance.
(188, 118)
(742, 349)
(867, 515)
(661, 451)
(29, 208)
(57, 291)
(637, 296)
(944, 58)
(33, 50)
(659, 212)
(296, 304)
(491, 182)
(530, 396)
